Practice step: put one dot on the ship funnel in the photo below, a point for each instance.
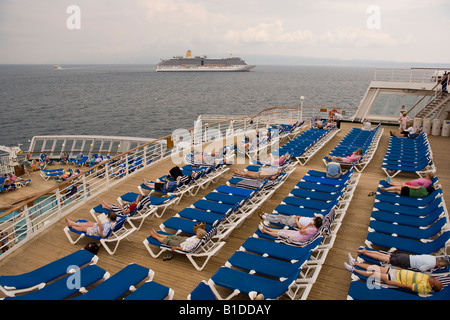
(188, 54)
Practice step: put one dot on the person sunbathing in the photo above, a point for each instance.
(304, 233)
(126, 209)
(409, 132)
(421, 262)
(289, 220)
(176, 242)
(409, 191)
(262, 173)
(352, 158)
(96, 229)
(401, 278)
(424, 182)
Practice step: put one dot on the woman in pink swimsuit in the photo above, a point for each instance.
(354, 157)
(303, 234)
(420, 182)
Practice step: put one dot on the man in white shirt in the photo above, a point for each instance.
(179, 242)
(337, 117)
(421, 262)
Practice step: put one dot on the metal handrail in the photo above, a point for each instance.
(433, 90)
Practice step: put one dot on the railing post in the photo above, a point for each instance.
(107, 174)
(58, 201)
(28, 224)
(84, 189)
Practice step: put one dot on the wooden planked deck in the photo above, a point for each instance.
(178, 273)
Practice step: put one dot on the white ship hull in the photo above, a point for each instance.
(203, 69)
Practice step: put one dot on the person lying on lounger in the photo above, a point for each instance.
(169, 186)
(176, 242)
(424, 182)
(276, 162)
(248, 142)
(205, 157)
(262, 173)
(422, 262)
(409, 191)
(405, 279)
(304, 233)
(96, 229)
(352, 158)
(289, 220)
(409, 132)
(126, 209)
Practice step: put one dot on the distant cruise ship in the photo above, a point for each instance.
(203, 63)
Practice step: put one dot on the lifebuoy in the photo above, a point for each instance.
(334, 110)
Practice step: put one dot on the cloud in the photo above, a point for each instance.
(147, 30)
(274, 33)
(357, 38)
(268, 33)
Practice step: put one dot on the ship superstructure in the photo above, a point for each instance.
(203, 63)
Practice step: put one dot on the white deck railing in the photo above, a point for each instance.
(416, 75)
(23, 222)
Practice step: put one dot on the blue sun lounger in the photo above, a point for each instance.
(38, 278)
(66, 286)
(117, 285)
(243, 282)
(407, 231)
(407, 220)
(308, 203)
(359, 290)
(198, 215)
(408, 245)
(297, 211)
(53, 173)
(151, 290)
(313, 186)
(408, 210)
(236, 191)
(386, 197)
(314, 195)
(202, 292)
(213, 206)
(266, 266)
(277, 250)
(122, 228)
(225, 198)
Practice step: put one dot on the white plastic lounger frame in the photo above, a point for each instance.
(206, 249)
(115, 236)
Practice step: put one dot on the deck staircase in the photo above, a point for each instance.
(439, 103)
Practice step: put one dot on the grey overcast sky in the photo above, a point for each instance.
(143, 31)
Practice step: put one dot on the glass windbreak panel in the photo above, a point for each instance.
(105, 146)
(48, 145)
(133, 145)
(37, 147)
(68, 146)
(96, 146)
(87, 146)
(58, 147)
(390, 104)
(115, 147)
(77, 145)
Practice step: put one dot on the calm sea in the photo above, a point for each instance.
(134, 100)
